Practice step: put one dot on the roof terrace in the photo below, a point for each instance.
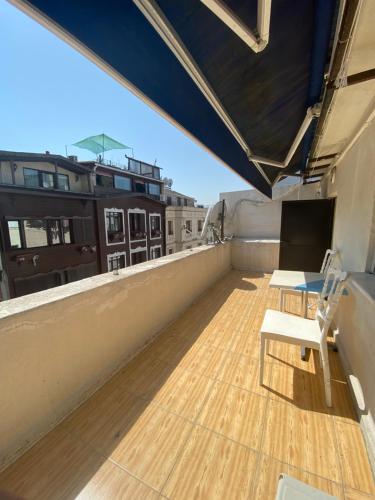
(185, 417)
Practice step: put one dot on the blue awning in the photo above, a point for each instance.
(265, 94)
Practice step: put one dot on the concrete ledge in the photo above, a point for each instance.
(60, 345)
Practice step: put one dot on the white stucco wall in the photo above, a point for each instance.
(253, 215)
(354, 238)
(354, 189)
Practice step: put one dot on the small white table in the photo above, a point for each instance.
(297, 280)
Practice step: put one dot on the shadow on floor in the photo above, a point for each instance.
(119, 423)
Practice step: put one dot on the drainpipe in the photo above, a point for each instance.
(225, 14)
(93, 179)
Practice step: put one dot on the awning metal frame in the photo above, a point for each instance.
(160, 23)
(227, 16)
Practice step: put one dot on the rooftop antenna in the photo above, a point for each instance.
(155, 161)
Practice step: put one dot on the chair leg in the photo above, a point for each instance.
(261, 367)
(281, 299)
(326, 373)
(303, 312)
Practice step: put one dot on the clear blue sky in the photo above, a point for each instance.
(51, 96)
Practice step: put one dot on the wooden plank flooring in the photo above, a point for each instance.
(187, 419)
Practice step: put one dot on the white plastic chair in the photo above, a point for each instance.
(326, 265)
(290, 488)
(310, 333)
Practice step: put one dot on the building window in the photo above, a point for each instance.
(63, 182)
(155, 252)
(154, 189)
(114, 221)
(200, 225)
(169, 200)
(134, 166)
(188, 226)
(137, 225)
(179, 201)
(139, 256)
(32, 233)
(170, 228)
(170, 251)
(35, 233)
(54, 229)
(31, 177)
(185, 202)
(139, 187)
(47, 180)
(66, 230)
(105, 181)
(146, 170)
(116, 261)
(124, 183)
(155, 229)
(14, 228)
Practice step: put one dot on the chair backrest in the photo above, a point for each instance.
(327, 261)
(329, 298)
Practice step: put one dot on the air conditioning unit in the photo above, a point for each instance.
(73, 158)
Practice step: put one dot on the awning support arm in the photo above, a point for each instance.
(225, 14)
(311, 113)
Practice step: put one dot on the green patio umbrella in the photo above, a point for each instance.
(98, 144)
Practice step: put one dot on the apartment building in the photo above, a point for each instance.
(59, 223)
(184, 222)
(130, 230)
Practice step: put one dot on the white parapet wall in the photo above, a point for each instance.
(60, 345)
(259, 255)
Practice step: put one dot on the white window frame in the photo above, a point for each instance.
(137, 211)
(116, 254)
(153, 248)
(118, 210)
(155, 214)
(135, 250)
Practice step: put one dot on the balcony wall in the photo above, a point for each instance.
(60, 345)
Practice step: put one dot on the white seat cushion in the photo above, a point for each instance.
(287, 326)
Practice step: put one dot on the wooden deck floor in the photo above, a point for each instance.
(186, 418)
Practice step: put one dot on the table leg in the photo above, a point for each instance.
(304, 300)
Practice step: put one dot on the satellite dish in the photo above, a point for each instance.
(168, 182)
